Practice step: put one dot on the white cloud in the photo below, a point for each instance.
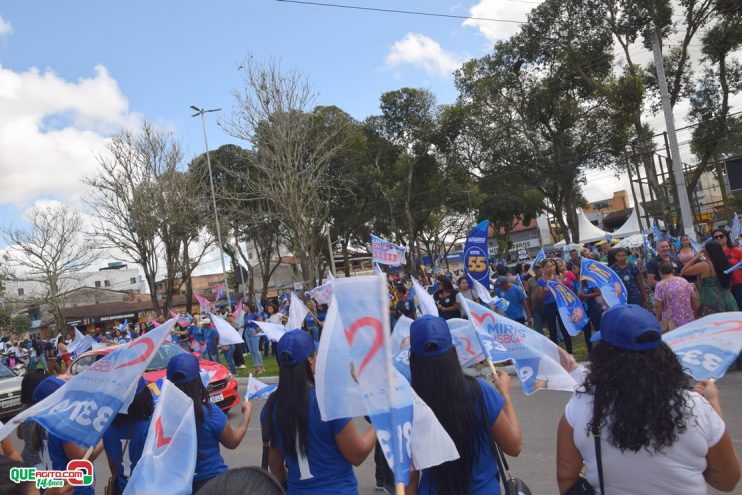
(423, 52)
(51, 130)
(498, 9)
(5, 27)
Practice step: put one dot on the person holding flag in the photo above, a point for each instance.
(308, 455)
(131, 428)
(211, 423)
(471, 411)
(734, 256)
(552, 319)
(633, 281)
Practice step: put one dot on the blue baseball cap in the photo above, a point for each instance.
(48, 386)
(430, 336)
(183, 368)
(629, 327)
(294, 347)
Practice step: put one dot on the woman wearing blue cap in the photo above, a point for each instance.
(61, 452)
(127, 434)
(211, 423)
(307, 454)
(471, 411)
(655, 434)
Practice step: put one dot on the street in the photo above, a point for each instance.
(539, 415)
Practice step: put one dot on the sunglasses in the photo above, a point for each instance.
(719, 237)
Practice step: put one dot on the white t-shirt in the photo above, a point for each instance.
(679, 469)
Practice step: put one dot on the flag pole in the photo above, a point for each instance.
(88, 453)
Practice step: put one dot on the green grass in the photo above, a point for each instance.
(269, 363)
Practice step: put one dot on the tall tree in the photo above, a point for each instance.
(51, 253)
(295, 148)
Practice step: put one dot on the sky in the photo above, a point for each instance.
(73, 73)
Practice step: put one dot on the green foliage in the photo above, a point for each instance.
(5, 317)
(20, 323)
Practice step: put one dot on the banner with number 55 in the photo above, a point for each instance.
(707, 347)
(476, 255)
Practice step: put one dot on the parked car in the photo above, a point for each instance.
(222, 385)
(10, 392)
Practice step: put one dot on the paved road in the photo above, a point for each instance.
(539, 415)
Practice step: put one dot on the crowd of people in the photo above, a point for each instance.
(649, 420)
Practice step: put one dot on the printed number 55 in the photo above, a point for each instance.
(477, 264)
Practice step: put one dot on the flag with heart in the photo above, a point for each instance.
(82, 409)
(169, 454)
(541, 364)
(355, 377)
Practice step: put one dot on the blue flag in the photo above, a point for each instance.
(736, 230)
(475, 255)
(259, 390)
(82, 409)
(171, 441)
(570, 308)
(538, 259)
(541, 364)
(601, 276)
(707, 347)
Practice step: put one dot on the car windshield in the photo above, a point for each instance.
(5, 371)
(164, 353)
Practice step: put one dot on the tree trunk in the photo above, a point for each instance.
(188, 281)
(346, 257)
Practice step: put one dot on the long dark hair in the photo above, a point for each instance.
(645, 405)
(456, 400)
(288, 409)
(142, 407)
(726, 236)
(719, 261)
(199, 395)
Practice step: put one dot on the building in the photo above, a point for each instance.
(526, 240)
(609, 214)
(115, 276)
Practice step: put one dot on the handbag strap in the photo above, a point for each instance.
(503, 468)
(598, 453)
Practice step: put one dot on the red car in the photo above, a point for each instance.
(222, 386)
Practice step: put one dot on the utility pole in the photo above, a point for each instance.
(201, 112)
(677, 164)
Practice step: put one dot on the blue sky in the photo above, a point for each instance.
(72, 73)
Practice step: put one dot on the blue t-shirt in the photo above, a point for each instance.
(548, 296)
(211, 337)
(59, 462)
(515, 297)
(114, 440)
(485, 476)
(249, 324)
(310, 322)
(199, 333)
(331, 473)
(209, 460)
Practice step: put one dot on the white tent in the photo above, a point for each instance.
(630, 226)
(588, 231)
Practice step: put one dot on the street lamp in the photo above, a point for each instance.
(201, 112)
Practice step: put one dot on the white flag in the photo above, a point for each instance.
(297, 313)
(425, 300)
(227, 333)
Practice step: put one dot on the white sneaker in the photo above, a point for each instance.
(242, 366)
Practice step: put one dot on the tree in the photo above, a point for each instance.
(536, 111)
(246, 219)
(294, 147)
(20, 324)
(144, 210)
(51, 253)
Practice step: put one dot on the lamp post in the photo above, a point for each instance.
(201, 112)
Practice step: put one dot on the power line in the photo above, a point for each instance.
(407, 12)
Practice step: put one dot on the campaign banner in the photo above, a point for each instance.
(570, 308)
(707, 347)
(82, 409)
(541, 364)
(476, 255)
(322, 293)
(601, 276)
(386, 253)
(472, 346)
(354, 373)
(171, 441)
(736, 230)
